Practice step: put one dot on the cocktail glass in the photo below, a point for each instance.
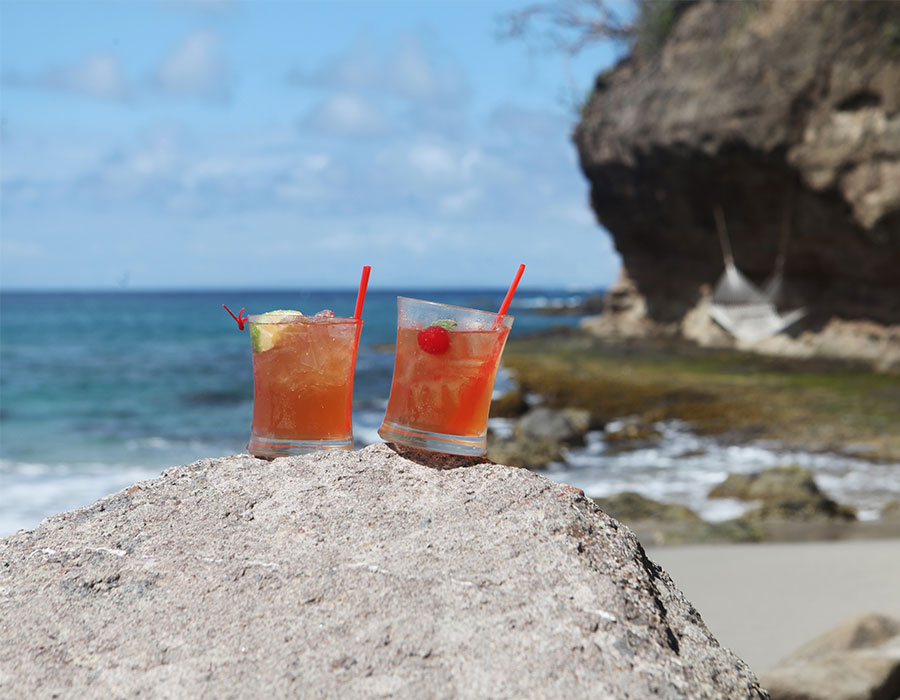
(446, 362)
(302, 383)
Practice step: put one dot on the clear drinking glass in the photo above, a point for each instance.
(302, 383)
(446, 362)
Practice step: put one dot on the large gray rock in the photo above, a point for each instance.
(349, 574)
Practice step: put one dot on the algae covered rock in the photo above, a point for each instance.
(511, 405)
(771, 485)
(660, 524)
(629, 506)
(520, 451)
(891, 511)
(786, 492)
(566, 426)
(349, 575)
(630, 433)
(539, 436)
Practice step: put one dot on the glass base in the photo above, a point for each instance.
(270, 448)
(471, 446)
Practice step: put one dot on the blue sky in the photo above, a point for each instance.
(210, 143)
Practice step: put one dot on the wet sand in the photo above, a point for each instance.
(765, 600)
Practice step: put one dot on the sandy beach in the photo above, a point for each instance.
(763, 601)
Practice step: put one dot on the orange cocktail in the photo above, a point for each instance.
(302, 382)
(446, 362)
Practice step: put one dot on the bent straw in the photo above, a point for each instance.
(361, 296)
(504, 307)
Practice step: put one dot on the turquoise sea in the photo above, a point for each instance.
(99, 390)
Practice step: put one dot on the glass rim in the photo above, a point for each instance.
(454, 306)
(293, 318)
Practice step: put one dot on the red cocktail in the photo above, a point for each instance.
(302, 382)
(446, 362)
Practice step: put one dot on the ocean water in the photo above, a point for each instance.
(100, 390)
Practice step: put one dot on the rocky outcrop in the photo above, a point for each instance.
(539, 437)
(785, 114)
(858, 660)
(659, 524)
(349, 574)
(787, 493)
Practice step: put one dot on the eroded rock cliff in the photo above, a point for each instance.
(787, 115)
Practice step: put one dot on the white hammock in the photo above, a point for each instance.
(740, 307)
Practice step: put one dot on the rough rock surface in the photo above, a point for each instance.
(349, 574)
(787, 115)
(858, 660)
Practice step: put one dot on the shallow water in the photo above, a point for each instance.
(681, 467)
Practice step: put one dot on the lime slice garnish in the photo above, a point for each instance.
(265, 331)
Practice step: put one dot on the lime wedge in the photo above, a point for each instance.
(264, 333)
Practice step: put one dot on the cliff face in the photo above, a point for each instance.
(785, 114)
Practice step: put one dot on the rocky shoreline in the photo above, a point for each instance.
(570, 384)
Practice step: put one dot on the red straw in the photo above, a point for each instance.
(361, 297)
(240, 320)
(504, 307)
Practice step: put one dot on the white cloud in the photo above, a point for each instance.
(316, 162)
(99, 76)
(459, 202)
(357, 69)
(428, 163)
(346, 114)
(432, 161)
(410, 73)
(158, 156)
(422, 75)
(408, 70)
(195, 68)
(147, 170)
(410, 77)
